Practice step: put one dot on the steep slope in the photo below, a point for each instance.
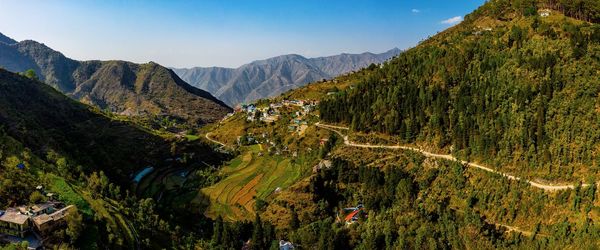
(344, 63)
(5, 39)
(46, 120)
(273, 76)
(122, 87)
(509, 87)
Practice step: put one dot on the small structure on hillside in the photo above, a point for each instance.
(33, 224)
(46, 224)
(143, 173)
(322, 164)
(352, 214)
(285, 245)
(545, 12)
(14, 223)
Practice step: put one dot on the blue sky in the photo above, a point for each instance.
(185, 33)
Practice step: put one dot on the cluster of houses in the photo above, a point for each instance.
(33, 224)
(267, 114)
(271, 113)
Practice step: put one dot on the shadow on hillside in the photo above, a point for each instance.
(45, 120)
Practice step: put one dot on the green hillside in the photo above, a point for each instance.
(88, 160)
(507, 87)
(510, 88)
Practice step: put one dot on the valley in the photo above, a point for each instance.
(482, 136)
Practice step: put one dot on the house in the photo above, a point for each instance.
(46, 224)
(39, 209)
(322, 164)
(237, 109)
(285, 245)
(32, 224)
(276, 105)
(250, 108)
(14, 223)
(354, 214)
(352, 217)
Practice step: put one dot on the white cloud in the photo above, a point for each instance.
(453, 20)
(416, 11)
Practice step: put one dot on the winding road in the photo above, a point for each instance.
(347, 142)
(214, 141)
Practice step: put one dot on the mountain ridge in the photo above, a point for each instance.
(123, 87)
(272, 76)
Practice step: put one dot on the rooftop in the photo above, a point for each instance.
(14, 216)
(40, 207)
(58, 215)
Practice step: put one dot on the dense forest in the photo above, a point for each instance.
(519, 89)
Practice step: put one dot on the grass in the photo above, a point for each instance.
(192, 137)
(90, 207)
(248, 177)
(68, 195)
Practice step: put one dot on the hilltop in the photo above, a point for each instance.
(147, 90)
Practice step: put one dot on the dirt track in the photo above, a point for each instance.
(347, 142)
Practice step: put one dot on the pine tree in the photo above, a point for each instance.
(217, 232)
(257, 234)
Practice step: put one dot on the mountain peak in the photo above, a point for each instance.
(7, 40)
(275, 75)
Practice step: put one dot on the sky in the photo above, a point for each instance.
(226, 33)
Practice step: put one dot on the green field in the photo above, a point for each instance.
(247, 177)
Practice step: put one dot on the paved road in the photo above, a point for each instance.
(347, 142)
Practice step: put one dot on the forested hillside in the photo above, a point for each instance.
(88, 159)
(509, 86)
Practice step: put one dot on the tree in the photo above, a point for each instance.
(74, 225)
(30, 73)
(218, 228)
(294, 221)
(36, 197)
(258, 234)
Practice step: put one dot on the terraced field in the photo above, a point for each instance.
(250, 176)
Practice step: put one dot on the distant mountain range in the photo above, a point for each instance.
(122, 87)
(273, 76)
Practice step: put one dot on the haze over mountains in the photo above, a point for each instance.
(122, 87)
(273, 76)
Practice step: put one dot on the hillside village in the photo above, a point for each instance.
(299, 111)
